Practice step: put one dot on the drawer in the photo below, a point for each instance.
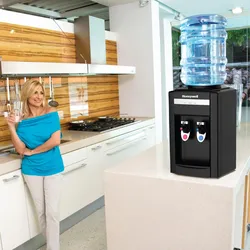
(126, 138)
(74, 156)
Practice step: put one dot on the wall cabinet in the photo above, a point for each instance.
(14, 226)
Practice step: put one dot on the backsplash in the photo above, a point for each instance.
(78, 97)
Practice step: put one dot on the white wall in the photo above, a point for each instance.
(139, 44)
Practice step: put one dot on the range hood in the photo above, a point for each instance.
(96, 69)
(12, 68)
(90, 56)
(15, 68)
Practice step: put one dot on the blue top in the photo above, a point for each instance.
(34, 132)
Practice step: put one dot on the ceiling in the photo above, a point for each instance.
(71, 9)
(114, 2)
(195, 7)
(59, 9)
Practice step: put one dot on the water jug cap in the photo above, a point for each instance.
(204, 19)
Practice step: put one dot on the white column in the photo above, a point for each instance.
(139, 44)
(166, 66)
(137, 29)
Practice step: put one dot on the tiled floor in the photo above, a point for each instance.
(90, 234)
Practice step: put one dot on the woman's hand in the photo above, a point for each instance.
(11, 121)
(28, 152)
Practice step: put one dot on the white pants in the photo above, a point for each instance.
(46, 192)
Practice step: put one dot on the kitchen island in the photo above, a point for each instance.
(147, 207)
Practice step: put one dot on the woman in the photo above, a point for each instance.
(37, 139)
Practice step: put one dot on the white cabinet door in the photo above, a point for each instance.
(125, 151)
(96, 161)
(13, 217)
(151, 136)
(74, 188)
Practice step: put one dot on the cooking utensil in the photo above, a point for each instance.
(17, 103)
(8, 95)
(51, 100)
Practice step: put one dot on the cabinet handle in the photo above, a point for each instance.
(11, 179)
(96, 148)
(151, 127)
(115, 141)
(75, 168)
(119, 150)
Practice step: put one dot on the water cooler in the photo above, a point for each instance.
(203, 113)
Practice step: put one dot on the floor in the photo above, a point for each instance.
(90, 234)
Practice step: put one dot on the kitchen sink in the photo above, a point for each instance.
(64, 141)
(12, 150)
(7, 151)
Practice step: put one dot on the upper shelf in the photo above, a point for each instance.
(13, 68)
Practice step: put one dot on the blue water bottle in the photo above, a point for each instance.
(203, 50)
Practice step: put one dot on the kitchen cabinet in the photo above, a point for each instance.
(14, 226)
(74, 188)
(97, 165)
(130, 144)
(82, 182)
(150, 136)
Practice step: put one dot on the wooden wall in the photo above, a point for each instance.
(20, 43)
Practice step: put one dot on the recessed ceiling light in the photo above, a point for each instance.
(237, 10)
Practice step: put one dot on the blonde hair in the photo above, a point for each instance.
(27, 91)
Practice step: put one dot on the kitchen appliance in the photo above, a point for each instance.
(203, 131)
(202, 114)
(101, 124)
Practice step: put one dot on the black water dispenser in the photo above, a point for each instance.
(203, 113)
(202, 131)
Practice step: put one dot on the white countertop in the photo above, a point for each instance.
(155, 163)
(77, 140)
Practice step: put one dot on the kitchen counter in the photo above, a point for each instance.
(147, 207)
(76, 140)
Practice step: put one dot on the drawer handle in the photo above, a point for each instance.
(75, 168)
(119, 150)
(96, 148)
(15, 177)
(134, 135)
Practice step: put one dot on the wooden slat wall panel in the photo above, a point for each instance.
(23, 43)
(30, 44)
(111, 52)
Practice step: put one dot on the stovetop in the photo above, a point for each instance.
(101, 124)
